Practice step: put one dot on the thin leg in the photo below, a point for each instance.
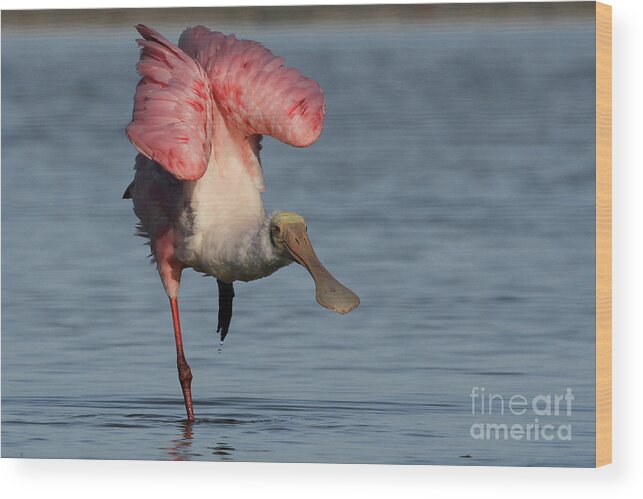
(185, 375)
(226, 295)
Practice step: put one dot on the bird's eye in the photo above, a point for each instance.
(277, 230)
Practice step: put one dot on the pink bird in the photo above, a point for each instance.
(200, 111)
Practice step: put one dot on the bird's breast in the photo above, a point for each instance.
(222, 222)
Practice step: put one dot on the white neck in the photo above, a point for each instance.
(252, 255)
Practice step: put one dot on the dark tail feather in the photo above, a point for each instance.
(226, 294)
(128, 192)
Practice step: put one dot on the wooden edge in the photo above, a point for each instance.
(603, 234)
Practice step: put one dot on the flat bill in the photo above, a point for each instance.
(329, 292)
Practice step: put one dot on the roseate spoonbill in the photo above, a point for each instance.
(200, 111)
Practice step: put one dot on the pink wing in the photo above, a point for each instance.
(254, 90)
(172, 121)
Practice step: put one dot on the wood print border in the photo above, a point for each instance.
(603, 234)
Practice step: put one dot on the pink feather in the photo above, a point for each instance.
(173, 106)
(254, 90)
(183, 88)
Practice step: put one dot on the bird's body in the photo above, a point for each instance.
(200, 111)
(219, 226)
(218, 223)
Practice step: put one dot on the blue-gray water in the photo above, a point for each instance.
(452, 189)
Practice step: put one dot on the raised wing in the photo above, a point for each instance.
(173, 106)
(254, 90)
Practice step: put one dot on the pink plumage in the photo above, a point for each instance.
(173, 106)
(183, 88)
(254, 89)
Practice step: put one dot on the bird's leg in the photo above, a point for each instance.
(170, 269)
(185, 375)
(226, 295)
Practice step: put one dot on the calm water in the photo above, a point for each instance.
(452, 189)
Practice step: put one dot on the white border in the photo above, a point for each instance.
(111, 479)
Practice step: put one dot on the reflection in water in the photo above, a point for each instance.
(223, 451)
(180, 449)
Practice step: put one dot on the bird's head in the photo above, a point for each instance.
(289, 235)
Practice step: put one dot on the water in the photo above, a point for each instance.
(452, 189)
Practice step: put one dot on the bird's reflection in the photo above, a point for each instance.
(180, 449)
